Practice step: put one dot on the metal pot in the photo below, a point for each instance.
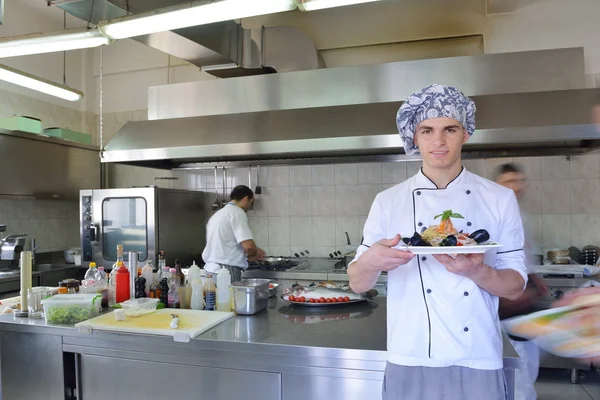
(251, 296)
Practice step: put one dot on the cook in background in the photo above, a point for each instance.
(229, 240)
(444, 338)
(512, 176)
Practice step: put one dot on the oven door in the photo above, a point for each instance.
(123, 216)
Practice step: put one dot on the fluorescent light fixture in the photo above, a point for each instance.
(311, 5)
(24, 79)
(192, 14)
(51, 42)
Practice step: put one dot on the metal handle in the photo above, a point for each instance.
(93, 233)
(348, 239)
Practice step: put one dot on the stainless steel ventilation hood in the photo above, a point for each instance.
(222, 49)
(528, 103)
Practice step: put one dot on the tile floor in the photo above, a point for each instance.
(555, 384)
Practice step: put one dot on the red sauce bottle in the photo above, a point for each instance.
(122, 283)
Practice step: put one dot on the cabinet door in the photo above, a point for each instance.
(110, 378)
(313, 387)
(32, 366)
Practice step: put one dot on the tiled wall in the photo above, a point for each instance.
(54, 224)
(310, 207)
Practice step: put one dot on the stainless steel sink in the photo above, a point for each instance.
(51, 267)
(8, 273)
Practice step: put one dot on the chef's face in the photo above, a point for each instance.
(515, 181)
(440, 142)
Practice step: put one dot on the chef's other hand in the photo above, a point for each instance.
(260, 254)
(467, 265)
(383, 257)
(574, 296)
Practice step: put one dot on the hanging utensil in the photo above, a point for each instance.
(224, 200)
(258, 188)
(216, 204)
(250, 176)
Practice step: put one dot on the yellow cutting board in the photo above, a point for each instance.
(191, 323)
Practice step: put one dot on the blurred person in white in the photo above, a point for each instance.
(513, 177)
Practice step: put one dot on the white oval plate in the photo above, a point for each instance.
(477, 249)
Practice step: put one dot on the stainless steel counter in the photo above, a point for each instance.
(282, 353)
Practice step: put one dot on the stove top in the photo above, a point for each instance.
(283, 265)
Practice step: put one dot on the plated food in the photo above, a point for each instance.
(572, 331)
(445, 239)
(322, 294)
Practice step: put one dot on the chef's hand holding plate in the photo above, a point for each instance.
(467, 265)
(382, 256)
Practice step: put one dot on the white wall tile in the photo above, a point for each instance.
(59, 236)
(346, 174)
(585, 196)
(15, 226)
(261, 205)
(323, 231)
(532, 201)
(584, 230)
(555, 168)
(279, 176)
(346, 200)
(532, 166)
(39, 229)
(556, 231)
(585, 167)
(301, 231)
(475, 166)
(260, 230)
(278, 201)
(279, 251)
(322, 251)
(301, 201)
(279, 231)
(556, 196)
(412, 168)
(492, 164)
(300, 249)
(533, 227)
(366, 196)
(323, 201)
(73, 236)
(181, 181)
(370, 174)
(300, 175)
(73, 209)
(323, 175)
(393, 172)
(238, 176)
(19, 209)
(346, 224)
(3, 211)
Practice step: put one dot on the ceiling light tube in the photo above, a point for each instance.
(39, 43)
(311, 5)
(33, 82)
(192, 14)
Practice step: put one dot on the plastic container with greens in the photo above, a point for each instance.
(69, 309)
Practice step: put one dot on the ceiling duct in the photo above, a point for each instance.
(223, 49)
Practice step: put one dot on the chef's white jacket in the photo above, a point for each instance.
(436, 318)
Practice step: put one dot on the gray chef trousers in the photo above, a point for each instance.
(445, 383)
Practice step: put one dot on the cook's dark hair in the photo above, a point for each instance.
(241, 191)
(508, 168)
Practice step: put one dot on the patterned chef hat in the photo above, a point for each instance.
(434, 101)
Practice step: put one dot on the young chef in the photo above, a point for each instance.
(512, 176)
(444, 338)
(229, 240)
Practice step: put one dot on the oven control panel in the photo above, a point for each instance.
(87, 228)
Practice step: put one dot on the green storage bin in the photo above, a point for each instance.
(67, 134)
(23, 124)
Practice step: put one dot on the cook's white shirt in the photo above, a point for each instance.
(225, 232)
(436, 318)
